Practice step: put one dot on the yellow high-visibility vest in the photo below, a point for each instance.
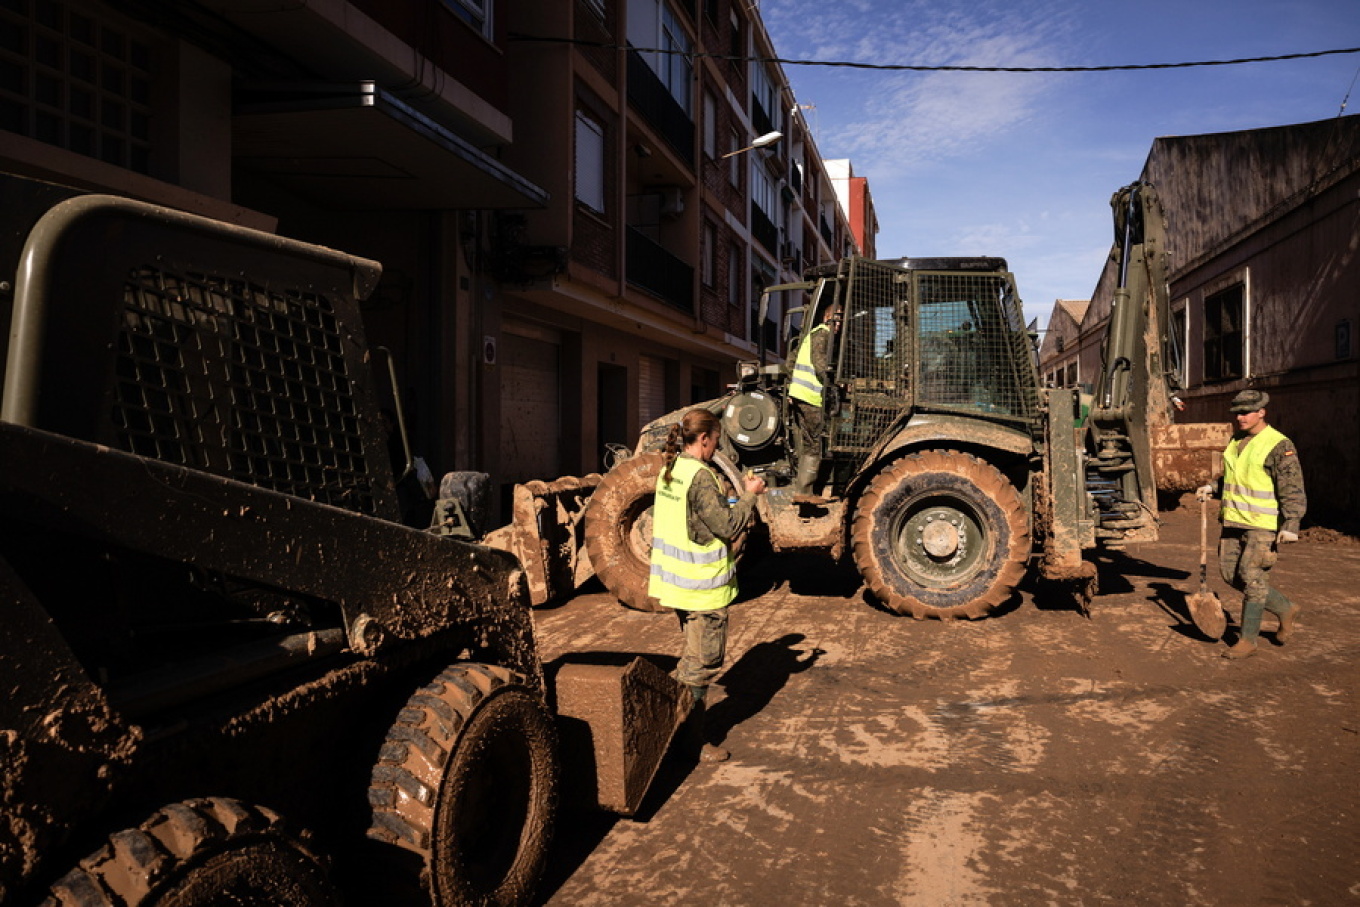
(1248, 491)
(685, 574)
(805, 384)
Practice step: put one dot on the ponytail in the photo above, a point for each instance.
(695, 423)
(671, 451)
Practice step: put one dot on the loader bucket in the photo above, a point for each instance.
(546, 533)
(1185, 455)
(616, 721)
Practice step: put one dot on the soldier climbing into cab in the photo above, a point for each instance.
(807, 390)
(1263, 503)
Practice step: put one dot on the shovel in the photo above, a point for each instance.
(1205, 608)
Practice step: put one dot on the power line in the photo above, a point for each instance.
(849, 64)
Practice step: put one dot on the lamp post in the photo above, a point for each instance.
(764, 141)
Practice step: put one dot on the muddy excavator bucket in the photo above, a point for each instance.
(616, 720)
(1184, 455)
(546, 533)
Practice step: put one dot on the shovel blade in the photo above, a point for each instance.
(1207, 613)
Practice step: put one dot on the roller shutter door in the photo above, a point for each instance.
(531, 405)
(651, 388)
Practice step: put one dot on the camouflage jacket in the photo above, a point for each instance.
(710, 516)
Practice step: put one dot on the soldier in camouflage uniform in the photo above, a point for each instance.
(1263, 503)
(693, 570)
(807, 390)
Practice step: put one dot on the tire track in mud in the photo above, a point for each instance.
(1215, 764)
(1164, 843)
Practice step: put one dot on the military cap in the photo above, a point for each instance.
(1249, 401)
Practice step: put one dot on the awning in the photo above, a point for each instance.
(357, 146)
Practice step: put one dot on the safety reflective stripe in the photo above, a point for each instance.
(684, 582)
(689, 557)
(1248, 491)
(806, 376)
(803, 383)
(685, 574)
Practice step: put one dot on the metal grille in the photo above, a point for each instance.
(944, 340)
(974, 352)
(231, 378)
(871, 361)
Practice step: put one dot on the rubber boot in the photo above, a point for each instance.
(1286, 629)
(1243, 648)
(695, 732)
(808, 464)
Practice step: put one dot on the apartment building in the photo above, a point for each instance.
(684, 181)
(573, 211)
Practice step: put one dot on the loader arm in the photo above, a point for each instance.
(1134, 449)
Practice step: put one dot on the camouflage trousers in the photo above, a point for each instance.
(705, 649)
(1245, 557)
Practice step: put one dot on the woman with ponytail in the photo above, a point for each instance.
(693, 570)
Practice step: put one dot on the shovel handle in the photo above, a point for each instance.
(1203, 545)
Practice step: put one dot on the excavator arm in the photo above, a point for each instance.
(1134, 448)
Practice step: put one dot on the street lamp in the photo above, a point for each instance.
(765, 140)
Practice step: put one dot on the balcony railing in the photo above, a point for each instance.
(764, 230)
(657, 271)
(760, 119)
(650, 97)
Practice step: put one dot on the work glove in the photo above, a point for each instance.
(1204, 492)
(1284, 537)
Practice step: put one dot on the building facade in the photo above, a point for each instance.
(573, 224)
(858, 204)
(669, 218)
(1262, 230)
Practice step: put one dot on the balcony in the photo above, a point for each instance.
(654, 102)
(760, 118)
(660, 273)
(764, 230)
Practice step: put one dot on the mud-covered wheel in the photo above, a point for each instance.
(464, 791)
(619, 529)
(619, 526)
(200, 853)
(941, 534)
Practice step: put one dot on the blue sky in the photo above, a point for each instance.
(1023, 165)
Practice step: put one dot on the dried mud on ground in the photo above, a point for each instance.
(1036, 757)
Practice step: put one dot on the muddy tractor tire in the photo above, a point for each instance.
(464, 792)
(619, 526)
(200, 853)
(619, 530)
(941, 534)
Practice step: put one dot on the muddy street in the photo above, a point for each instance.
(1040, 757)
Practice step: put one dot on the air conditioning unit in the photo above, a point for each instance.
(672, 202)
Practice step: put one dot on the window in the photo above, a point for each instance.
(76, 82)
(734, 162)
(710, 126)
(589, 162)
(1224, 313)
(766, 115)
(737, 46)
(707, 252)
(762, 189)
(1178, 343)
(652, 26)
(476, 13)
